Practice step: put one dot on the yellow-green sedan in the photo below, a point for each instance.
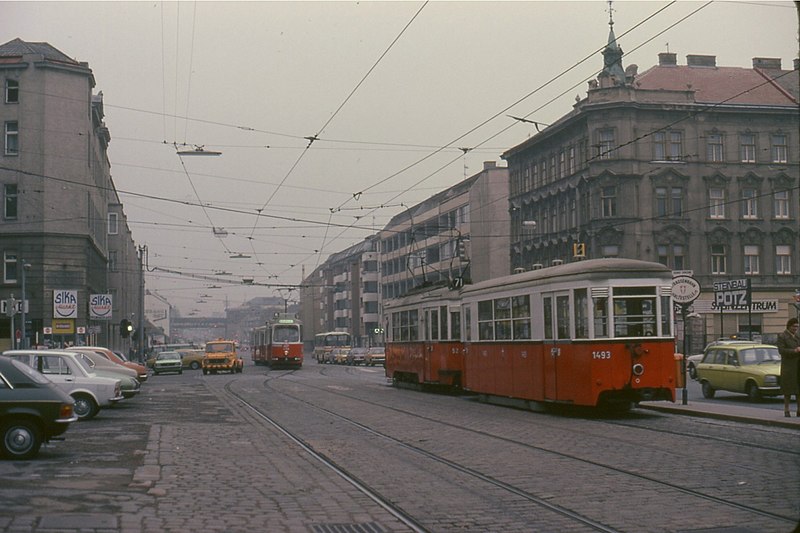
(746, 367)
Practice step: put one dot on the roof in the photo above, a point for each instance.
(728, 85)
(18, 48)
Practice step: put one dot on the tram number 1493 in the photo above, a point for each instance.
(601, 354)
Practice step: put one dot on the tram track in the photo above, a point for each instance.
(380, 499)
(519, 492)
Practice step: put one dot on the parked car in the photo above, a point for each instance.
(745, 367)
(104, 363)
(71, 374)
(168, 362)
(129, 385)
(693, 360)
(339, 355)
(357, 356)
(32, 410)
(376, 356)
(141, 370)
(192, 359)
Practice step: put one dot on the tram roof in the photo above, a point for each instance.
(608, 267)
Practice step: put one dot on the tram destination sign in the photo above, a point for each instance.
(685, 290)
(733, 294)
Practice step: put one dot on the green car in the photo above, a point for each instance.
(746, 367)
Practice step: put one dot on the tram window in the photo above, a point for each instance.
(581, 314)
(485, 321)
(600, 317)
(467, 323)
(521, 311)
(433, 324)
(665, 315)
(443, 323)
(455, 325)
(547, 313)
(634, 313)
(413, 325)
(502, 330)
(562, 316)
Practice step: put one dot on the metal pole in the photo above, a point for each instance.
(684, 313)
(24, 332)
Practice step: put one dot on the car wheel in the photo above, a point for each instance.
(85, 407)
(205, 372)
(195, 365)
(21, 439)
(753, 393)
(692, 371)
(180, 372)
(708, 390)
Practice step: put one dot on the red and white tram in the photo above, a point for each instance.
(279, 342)
(591, 333)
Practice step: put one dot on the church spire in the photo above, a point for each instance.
(613, 73)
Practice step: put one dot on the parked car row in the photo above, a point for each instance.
(86, 379)
(375, 355)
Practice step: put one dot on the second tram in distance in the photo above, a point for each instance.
(592, 333)
(279, 342)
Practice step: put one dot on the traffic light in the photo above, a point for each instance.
(125, 328)
(579, 249)
(462, 250)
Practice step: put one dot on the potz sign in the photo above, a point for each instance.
(734, 294)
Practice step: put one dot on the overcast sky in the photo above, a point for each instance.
(390, 90)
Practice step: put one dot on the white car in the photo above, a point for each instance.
(72, 375)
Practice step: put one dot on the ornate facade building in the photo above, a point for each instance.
(694, 166)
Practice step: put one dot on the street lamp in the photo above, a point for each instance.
(25, 266)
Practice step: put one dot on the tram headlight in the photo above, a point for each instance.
(638, 369)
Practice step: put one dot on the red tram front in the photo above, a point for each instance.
(590, 333)
(279, 343)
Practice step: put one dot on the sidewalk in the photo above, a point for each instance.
(739, 413)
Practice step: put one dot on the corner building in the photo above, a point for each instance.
(694, 166)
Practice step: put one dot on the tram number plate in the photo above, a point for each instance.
(601, 354)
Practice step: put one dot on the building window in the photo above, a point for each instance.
(562, 164)
(112, 260)
(783, 260)
(780, 150)
(716, 204)
(12, 138)
(606, 144)
(749, 203)
(9, 267)
(113, 223)
(748, 147)
(608, 202)
(669, 201)
(543, 167)
(781, 204)
(535, 175)
(11, 201)
(715, 153)
(671, 256)
(667, 146)
(552, 173)
(719, 262)
(751, 260)
(571, 160)
(12, 91)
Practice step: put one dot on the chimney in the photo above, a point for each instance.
(488, 165)
(695, 60)
(767, 63)
(667, 59)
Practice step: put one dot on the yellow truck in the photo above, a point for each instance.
(221, 356)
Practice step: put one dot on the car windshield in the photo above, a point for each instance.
(168, 355)
(757, 356)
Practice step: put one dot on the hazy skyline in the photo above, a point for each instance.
(332, 117)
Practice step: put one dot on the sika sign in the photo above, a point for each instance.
(65, 304)
(100, 306)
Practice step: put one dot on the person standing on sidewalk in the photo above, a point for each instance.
(789, 347)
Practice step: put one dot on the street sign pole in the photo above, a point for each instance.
(685, 290)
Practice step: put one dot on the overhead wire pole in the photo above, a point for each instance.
(140, 320)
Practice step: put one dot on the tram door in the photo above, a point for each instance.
(556, 357)
(432, 336)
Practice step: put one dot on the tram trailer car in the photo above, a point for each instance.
(591, 333)
(279, 342)
(429, 358)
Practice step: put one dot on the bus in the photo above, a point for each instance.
(324, 343)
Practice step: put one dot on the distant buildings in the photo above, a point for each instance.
(62, 220)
